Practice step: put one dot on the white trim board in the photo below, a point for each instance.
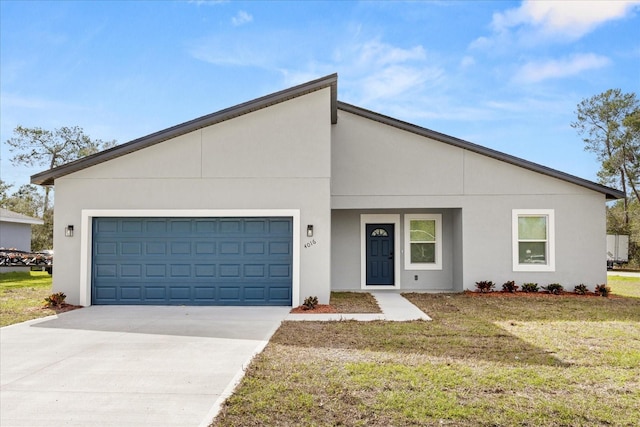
(86, 232)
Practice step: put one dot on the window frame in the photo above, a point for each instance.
(408, 265)
(550, 265)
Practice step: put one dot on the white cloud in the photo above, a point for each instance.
(467, 61)
(207, 2)
(572, 19)
(376, 71)
(381, 54)
(533, 72)
(394, 80)
(241, 18)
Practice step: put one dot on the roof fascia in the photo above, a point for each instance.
(331, 81)
(610, 193)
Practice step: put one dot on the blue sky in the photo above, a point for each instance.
(504, 74)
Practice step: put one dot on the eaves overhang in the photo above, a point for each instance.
(48, 177)
(610, 193)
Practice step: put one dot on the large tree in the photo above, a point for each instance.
(609, 125)
(46, 148)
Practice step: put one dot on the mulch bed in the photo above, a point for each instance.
(63, 308)
(319, 309)
(520, 294)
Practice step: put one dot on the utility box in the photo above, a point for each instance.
(617, 249)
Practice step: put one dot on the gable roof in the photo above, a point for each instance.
(9, 216)
(610, 193)
(331, 81)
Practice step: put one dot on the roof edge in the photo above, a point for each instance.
(610, 193)
(331, 81)
(7, 215)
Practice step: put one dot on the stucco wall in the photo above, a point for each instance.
(346, 255)
(274, 158)
(15, 235)
(378, 168)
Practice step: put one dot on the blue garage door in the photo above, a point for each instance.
(192, 261)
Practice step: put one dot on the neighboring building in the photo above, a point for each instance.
(15, 233)
(296, 194)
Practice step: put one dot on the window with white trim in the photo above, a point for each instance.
(423, 242)
(533, 240)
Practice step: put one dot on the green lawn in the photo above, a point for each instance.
(625, 286)
(483, 360)
(22, 296)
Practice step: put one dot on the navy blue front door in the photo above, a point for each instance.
(380, 254)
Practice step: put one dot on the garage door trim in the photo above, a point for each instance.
(86, 233)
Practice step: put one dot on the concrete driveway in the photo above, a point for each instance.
(128, 366)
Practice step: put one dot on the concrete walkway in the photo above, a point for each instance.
(394, 307)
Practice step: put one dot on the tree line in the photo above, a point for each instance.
(609, 124)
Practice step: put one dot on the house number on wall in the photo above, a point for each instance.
(309, 244)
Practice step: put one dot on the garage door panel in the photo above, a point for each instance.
(157, 293)
(131, 226)
(192, 261)
(279, 293)
(229, 226)
(205, 270)
(131, 293)
(205, 248)
(280, 271)
(106, 248)
(130, 270)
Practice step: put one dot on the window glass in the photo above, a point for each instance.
(532, 252)
(532, 228)
(423, 252)
(422, 241)
(533, 240)
(423, 230)
(379, 232)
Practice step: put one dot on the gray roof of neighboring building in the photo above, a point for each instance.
(9, 216)
(49, 176)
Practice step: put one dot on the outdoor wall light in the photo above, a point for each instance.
(68, 231)
(309, 230)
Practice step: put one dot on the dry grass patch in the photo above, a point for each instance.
(481, 361)
(354, 302)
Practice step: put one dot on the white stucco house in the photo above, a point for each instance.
(296, 194)
(15, 233)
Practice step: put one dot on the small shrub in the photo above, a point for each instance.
(581, 289)
(554, 288)
(509, 286)
(55, 300)
(310, 303)
(485, 285)
(529, 287)
(603, 290)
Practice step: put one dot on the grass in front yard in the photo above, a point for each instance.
(354, 302)
(22, 296)
(532, 361)
(624, 286)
